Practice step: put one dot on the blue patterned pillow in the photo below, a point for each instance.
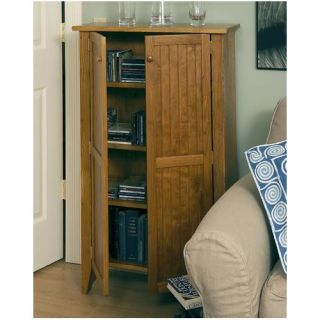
(268, 165)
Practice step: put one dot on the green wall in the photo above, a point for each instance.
(257, 90)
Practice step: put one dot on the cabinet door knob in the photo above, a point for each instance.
(99, 59)
(149, 59)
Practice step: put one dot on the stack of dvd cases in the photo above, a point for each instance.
(132, 70)
(133, 188)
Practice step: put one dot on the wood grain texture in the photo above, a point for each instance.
(143, 28)
(179, 161)
(57, 295)
(128, 204)
(85, 118)
(152, 219)
(126, 85)
(128, 147)
(224, 113)
(179, 146)
(99, 169)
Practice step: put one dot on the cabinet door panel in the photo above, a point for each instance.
(99, 156)
(179, 147)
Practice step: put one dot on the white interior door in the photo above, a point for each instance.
(47, 110)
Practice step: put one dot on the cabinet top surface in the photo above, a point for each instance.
(175, 28)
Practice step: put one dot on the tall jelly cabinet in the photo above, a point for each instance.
(189, 158)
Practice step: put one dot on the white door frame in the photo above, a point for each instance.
(73, 16)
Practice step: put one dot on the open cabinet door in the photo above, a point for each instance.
(99, 156)
(179, 145)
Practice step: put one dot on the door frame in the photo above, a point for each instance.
(73, 16)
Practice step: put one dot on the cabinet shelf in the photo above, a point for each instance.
(129, 147)
(134, 85)
(127, 266)
(127, 204)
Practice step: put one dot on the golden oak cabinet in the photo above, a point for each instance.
(190, 156)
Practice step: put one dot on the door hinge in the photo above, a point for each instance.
(63, 190)
(62, 32)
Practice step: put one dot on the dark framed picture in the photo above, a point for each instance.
(271, 29)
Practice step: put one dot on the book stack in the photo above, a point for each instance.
(139, 128)
(183, 290)
(132, 69)
(120, 133)
(128, 235)
(114, 60)
(133, 188)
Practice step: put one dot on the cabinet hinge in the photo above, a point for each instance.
(63, 190)
(62, 32)
(89, 147)
(89, 44)
(211, 47)
(91, 252)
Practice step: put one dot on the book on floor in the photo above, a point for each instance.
(183, 290)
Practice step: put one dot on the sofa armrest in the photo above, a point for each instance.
(231, 253)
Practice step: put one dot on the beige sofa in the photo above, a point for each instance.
(232, 257)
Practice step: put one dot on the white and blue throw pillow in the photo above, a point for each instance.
(268, 165)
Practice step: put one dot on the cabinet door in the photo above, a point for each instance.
(99, 156)
(179, 145)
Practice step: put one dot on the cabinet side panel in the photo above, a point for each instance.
(224, 113)
(85, 92)
(230, 105)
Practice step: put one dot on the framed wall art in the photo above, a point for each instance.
(271, 30)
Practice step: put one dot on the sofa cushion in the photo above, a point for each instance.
(278, 125)
(273, 302)
(268, 165)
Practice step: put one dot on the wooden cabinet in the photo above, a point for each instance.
(190, 156)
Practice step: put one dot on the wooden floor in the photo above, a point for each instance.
(57, 294)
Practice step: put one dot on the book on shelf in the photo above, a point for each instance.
(120, 127)
(128, 235)
(133, 183)
(120, 132)
(114, 60)
(113, 232)
(122, 235)
(142, 239)
(119, 142)
(132, 69)
(138, 120)
(131, 198)
(132, 217)
(132, 188)
(183, 290)
(133, 192)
